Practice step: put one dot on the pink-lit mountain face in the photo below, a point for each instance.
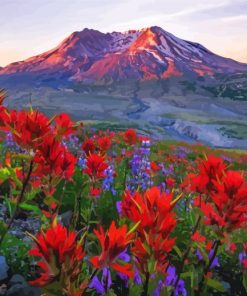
(146, 54)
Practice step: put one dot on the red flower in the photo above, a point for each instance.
(60, 255)
(95, 192)
(230, 199)
(228, 205)
(198, 237)
(130, 137)
(29, 128)
(54, 159)
(3, 111)
(95, 166)
(113, 243)
(209, 246)
(210, 170)
(104, 143)
(88, 146)
(232, 247)
(153, 211)
(64, 126)
(4, 118)
(170, 182)
(154, 166)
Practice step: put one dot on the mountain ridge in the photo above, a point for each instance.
(150, 53)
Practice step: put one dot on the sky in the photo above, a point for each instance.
(30, 27)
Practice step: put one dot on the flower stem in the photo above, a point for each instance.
(145, 287)
(19, 200)
(207, 268)
(185, 256)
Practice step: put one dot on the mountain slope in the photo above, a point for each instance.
(150, 53)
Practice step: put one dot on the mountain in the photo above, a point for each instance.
(149, 79)
(147, 54)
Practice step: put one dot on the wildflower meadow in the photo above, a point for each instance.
(98, 212)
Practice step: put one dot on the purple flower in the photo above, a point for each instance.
(180, 289)
(97, 285)
(81, 162)
(102, 286)
(241, 256)
(119, 207)
(226, 158)
(167, 171)
(182, 151)
(215, 262)
(170, 280)
(124, 256)
(10, 144)
(140, 168)
(199, 255)
(157, 291)
(137, 276)
(171, 276)
(109, 180)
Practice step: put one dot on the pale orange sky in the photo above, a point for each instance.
(31, 27)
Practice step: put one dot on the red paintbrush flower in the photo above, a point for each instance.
(230, 199)
(210, 170)
(95, 166)
(95, 191)
(88, 146)
(228, 205)
(4, 118)
(154, 166)
(60, 255)
(170, 182)
(54, 159)
(113, 243)
(104, 143)
(67, 164)
(64, 126)
(130, 137)
(29, 128)
(153, 211)
(197, 237)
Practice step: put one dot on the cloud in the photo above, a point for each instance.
(235, 19)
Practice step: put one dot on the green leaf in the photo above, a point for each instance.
(31, 195)
(177, 250)
(186, 274)
(245, 281)
(133, 229)
(4, 174)
(10, 205)
(2, 228)
(14, 177)
(29, 207)
(215, 284)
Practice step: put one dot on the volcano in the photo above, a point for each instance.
(148, 54)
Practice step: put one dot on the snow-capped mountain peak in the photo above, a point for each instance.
(149, 53)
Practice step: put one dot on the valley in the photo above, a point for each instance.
(191, 117)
